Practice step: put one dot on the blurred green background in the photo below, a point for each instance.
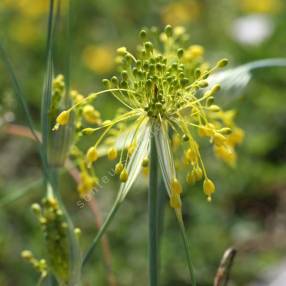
(249, 208)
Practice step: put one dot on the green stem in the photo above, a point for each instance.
(186, 246)
(110, 215)
(152, 209)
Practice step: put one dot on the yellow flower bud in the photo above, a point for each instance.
(236, 137)
(123, 176)
(122, 51)
(87, 131)
(176, 186)
(219, 139)
(198, 173)
(206, 130)
(112, 153)
(131, 149)
(194, 52)
(87, 183)
(91, 154)
(118, 168)
(209, 187)
(175, 201)
(214, 108)
(222, 63)
(27, 254)
(77, 232)
(226, 153)
(145, 162)
(191, 155)
(191, 178)
(63, 117)
(225, 131)
(91, 115)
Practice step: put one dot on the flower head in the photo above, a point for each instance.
(164, 92)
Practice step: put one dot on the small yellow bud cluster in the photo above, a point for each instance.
(91, 115)
(194, 52)
(121, 172)
(76, 97)
(40, 265)
(195, 175)
(59, 84)
(87, 183)
(54, 227)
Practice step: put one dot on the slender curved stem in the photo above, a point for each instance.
(101, 231)
(186, 245)
(152, 210)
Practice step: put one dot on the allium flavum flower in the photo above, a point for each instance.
(164, 93)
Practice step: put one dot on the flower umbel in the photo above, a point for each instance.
(166, 88)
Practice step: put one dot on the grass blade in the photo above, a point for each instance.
(47, 93)
(18, 90)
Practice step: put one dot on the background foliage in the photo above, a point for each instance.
(248, 210)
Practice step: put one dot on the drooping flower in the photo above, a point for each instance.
(165, 93)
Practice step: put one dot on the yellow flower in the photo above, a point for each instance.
(98, 58)
(194, 52)
(261, 6)
(180, 12)
(209, 188)
(91, 115)
(226, 153)
(87, 183)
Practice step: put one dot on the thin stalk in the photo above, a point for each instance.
(186, 246)
(152, 210)
(101, 231)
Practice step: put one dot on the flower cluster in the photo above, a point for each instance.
(165, 93)
(55, 231)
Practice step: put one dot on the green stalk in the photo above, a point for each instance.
(152, 210)
(102, 229)
(186, 246)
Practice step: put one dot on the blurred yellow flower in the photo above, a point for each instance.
(98, 58)
(28, 8)
(24, 31)
(194, 52)
(181, 12)
(260, 6)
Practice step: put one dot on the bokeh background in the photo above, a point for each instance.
(249, 208)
